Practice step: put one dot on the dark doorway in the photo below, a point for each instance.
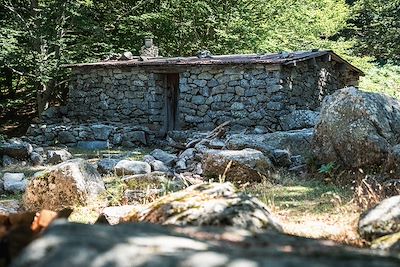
(171, 82)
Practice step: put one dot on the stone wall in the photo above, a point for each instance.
(214, 94)
(255, 95)
(128, 95)
(248, 95)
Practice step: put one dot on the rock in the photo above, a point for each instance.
(50, 113)
(299, 119)
(188, 154)
(392, 165)
(248, 165)
(128, 167)
(296, 142)
(66, 137)
(7, 161)
(36, 159)
(384, 219)
(136, 137)
(73, 182)
(387, 242)
(17, 149)
(357, 129)
(281, 158)
(216, 144)
(14, 182)
(114, 214)
(101, 131)
(8, 207)
(66, 244)
(106, 166)
(164, 156)
(212, 204)
(93, 145)
(58, 156)
(156, 165)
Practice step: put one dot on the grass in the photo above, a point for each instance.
(311, 208)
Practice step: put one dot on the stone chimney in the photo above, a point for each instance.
(149, 49)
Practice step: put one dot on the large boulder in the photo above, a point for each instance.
(297, 142)
(131, 167)
(80, 245)
(17, 149)
(74, 182)
(384, 219)
(247, 165)
(213, 204)
(357, 129)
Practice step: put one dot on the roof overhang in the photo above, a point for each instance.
(277, 59)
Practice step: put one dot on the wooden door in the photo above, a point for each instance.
(171, 101)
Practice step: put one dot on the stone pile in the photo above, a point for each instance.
(89, 136)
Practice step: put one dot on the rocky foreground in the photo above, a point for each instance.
(79, 245)
(197, 218)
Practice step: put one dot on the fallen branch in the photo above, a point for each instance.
(219, 131)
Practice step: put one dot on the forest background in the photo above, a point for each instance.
(38, 36)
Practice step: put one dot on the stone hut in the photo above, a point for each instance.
(163, 94)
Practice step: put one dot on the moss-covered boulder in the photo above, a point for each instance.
(246, 165)
(208, 204)
(357, 129)
(74, 182)
(384, 219)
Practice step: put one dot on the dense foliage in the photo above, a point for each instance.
(38, 36)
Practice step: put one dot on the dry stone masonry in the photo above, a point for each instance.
(141, 97)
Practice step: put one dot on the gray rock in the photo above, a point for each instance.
(7, 161)
(101, 131)
(129, 167)
(36, 159)
(296, 142)
(299, 119)
(281, 158)
(220, 206)
(297, 160)
(357, 129)
(247, 165)
(50, 113)
(16, 149)
(384, 219)
(8, 207)
(216, 144)
(158, 165)
(114, 214)
(106, 166)
(58, 156)
(164, 156)
(93, 145)
(14, 182)
(66, 244)
(66, 137)
(71, 183)
(136, 137)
